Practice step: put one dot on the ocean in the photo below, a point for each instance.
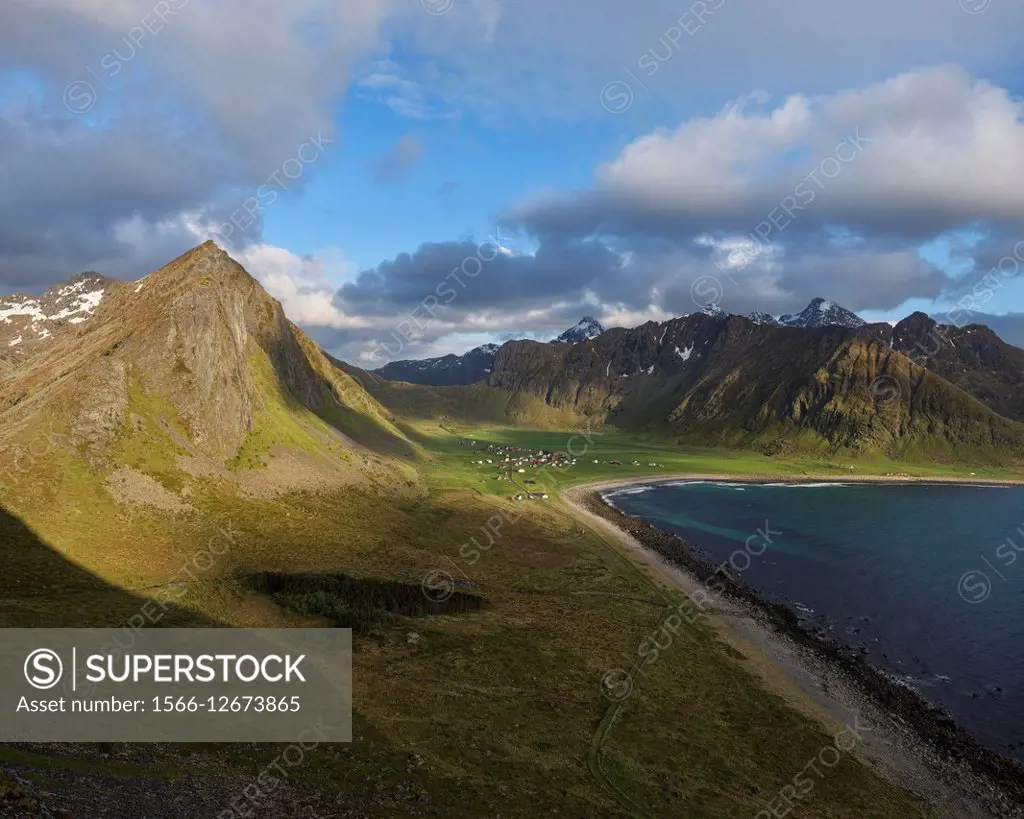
(925, 580)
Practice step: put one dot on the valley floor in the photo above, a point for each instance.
(520, 706)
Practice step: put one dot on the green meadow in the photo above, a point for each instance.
(452, 465)
(491, 707)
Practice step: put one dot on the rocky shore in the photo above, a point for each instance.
(993, 781)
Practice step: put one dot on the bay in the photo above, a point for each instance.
(926, 580)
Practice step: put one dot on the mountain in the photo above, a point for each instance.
(191, 380)
(822, 313)
(446, 371)
(713, 381)
(759, 317)
(584, 330)
(26, 322)
(186, 457)
(972, 357)
(1009, 326)
(454, 370)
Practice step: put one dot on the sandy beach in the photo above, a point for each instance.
(617, 483)
(906, 740)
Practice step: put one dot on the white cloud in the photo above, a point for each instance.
(553, 59)
(925, 151)
(713, 159)
(304, 286)
(897, 163)
(143, 116)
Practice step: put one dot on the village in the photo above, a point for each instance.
(511, 462)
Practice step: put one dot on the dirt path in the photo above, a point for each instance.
(809, 683)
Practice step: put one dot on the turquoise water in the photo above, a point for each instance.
(925, 580)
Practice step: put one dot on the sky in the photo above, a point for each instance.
(416, 177)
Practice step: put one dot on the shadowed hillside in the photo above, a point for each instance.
(972, 357)
(40, 588)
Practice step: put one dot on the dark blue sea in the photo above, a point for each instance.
(927, 579)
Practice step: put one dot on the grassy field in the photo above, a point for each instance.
(453, 465)
(489, 710)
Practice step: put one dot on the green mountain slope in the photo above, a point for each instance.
(192, 378)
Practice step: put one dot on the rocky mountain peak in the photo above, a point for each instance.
(198, 362)
(207, 259)
(914, 326)
(823, 313)
(585, 329)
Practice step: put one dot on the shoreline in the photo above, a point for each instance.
(913, 743)
(880, 480)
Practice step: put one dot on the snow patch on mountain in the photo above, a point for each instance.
(81, 296)
(29, 319)
(10, 307)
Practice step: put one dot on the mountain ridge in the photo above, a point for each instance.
(474, 365)
(202, 338)
(973, 357)
(993, 373)
(725, 381)
(27, 321)
(442, 371)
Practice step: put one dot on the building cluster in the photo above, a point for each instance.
(515, 464)
(514, 460)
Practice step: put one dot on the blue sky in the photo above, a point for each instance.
(469, 174)
(630, 156)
